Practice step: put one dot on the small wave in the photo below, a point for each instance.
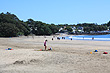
(89, 37)
(70, 37)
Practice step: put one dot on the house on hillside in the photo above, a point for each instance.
(80, 29)
(63, 30)
(74, 29)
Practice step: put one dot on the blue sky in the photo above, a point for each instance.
(59, 11)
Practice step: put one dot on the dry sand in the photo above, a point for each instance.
(67, 56)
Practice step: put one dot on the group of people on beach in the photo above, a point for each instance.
(45, 42)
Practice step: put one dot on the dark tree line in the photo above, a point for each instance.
(40, 28)
(92, 27)
(95, 28)
(11, 26)
(87, 27)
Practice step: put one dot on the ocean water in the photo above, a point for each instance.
(89, 37)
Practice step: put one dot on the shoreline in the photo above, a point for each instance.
(86, 37)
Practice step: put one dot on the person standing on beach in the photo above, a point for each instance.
(52, 38)
(45, 44)
(92, 38)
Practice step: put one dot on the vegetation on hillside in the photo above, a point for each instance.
(12, 26)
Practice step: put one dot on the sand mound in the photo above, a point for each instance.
(20, 62)
(32, 61)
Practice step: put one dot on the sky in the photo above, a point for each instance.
(59, 11)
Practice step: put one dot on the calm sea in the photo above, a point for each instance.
(89, 37)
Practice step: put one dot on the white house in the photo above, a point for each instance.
(74, 29)
(60, 29)
(80, 29)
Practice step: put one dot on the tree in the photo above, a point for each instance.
(108, 24)
(53, 28)
(12, 20)
(8, 30)
(69, 29)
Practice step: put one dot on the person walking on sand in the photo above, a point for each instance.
(45, 44)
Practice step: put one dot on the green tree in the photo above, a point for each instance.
(53, 28)
(8, 30)
(69, 29)
(14, 22)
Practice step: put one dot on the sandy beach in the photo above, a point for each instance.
(67, 56)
